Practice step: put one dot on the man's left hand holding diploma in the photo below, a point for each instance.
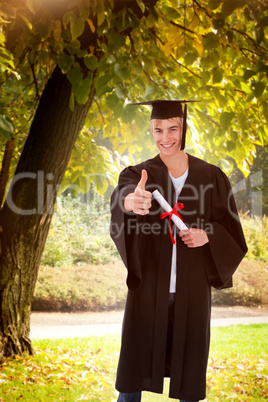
(140, 201)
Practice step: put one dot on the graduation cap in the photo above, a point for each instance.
(166, 109)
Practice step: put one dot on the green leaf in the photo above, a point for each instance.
(6, 58)
(112, 101)
(120, 92)
(101, 18)
(65, 62)
(242, 120)
(211, 41)
(171, 12)
(101, 184)
(150, 90)
(218, 22)
(265, 110)
(228, 7)
(225, 119)
(153, 12)
(205, 77)
(141, 5)
(248, 74)
(103, 80)
(66, 19)
(83, 91)
(115, 40)
(220, 98)
(91, 62)
(105, 89)
(73, 46)
(139, 81)
(77, 26)
(261, 68)
(122, 72)
(26, 21)
(34, 5)
(183, 90)
(75, 76)
(191, 57)
(84, 184)
(214, 4)
(100, 8)
(6, 127)
(217, 75)
(258, 88)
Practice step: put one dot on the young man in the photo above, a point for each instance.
(166, 328)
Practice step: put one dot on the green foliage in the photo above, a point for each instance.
(256, 234)
(250, 286)
(79, 247)
(79, 233)
(85, 369)
(83, 288)
(144, 51)
(6, 127)
(260, 166)
(103, 287)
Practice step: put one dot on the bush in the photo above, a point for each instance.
(79, 234)
(250, 286)
(86, 262)
(256, 234)
(84, 288)
(103, 287)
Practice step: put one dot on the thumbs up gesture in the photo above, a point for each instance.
(139, 201)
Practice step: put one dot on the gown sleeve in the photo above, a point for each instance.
(123, 226)
(227, 245)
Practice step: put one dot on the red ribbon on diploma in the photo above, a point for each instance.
(176, 208)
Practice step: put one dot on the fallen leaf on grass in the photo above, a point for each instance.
(236, 379)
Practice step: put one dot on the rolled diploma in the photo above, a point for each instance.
(167, 208)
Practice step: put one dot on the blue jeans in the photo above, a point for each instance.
(129, 397)
(135, 397)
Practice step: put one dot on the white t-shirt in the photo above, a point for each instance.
(178, 184)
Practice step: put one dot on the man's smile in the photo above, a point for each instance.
(168, 145)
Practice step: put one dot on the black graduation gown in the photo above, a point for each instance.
(145, 247)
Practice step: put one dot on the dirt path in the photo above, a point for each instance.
(71, 325)
(45, 319)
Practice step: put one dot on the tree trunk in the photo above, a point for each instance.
(27, 212)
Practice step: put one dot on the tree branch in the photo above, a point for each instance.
(148, 75)
(249, 37)
(182, 27)
(203, 114)
(103, 119)
(186, 68)
(250, 51)
(204, 9)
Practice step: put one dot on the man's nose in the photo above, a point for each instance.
(165, 135)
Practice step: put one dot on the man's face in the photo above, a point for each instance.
(167, 135)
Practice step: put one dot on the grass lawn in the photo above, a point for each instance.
(84, 369)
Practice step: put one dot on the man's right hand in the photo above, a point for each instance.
(139, 201)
